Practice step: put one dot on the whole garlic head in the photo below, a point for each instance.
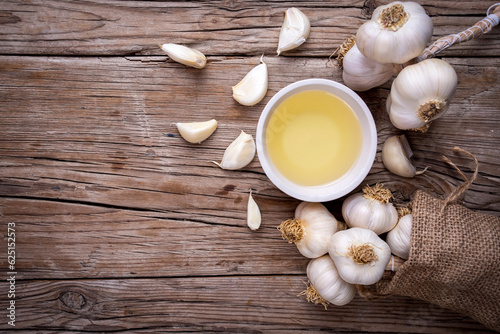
(295, 30)
(400, 236)
(371, 210)
(311, 229)
(421, 93)
(396, 33)
(359, 255)
(360, 73)
(326, 285)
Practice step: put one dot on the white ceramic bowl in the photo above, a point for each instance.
(350, 180)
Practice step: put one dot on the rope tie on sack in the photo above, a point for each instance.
(481, 27)
(467, 182)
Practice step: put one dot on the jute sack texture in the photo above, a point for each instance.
(454, 260)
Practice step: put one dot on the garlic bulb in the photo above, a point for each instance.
(421, 93)
(184, 55)
(399, 237)
(295, 30)
(396, 33)
(396, 154)
(371, 210)
(311, 229)
(196, 132)
(253, 87)
(253, 214)
(359, 255)
(326, 285)
(239, 153)
(360, 73)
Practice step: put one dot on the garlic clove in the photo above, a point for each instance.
(399, 237)
(196, 132)
(359, 255)
(396, 154)
(326, 285)
(295, 30)
(253, 214)
(239, 153)
(421, 93)
(253, 87)
(360, 73)
(184, 55)
(371, 210)
(396, 33)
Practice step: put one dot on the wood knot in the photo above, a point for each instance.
(369, 7)
(73, 300)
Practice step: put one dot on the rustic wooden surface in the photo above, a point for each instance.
(122, 226)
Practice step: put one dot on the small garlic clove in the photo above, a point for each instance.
(239, 153)
(396, 154)
(295, 30)
(184, 55)
(196, 132)
(253, 214)
(253, 87)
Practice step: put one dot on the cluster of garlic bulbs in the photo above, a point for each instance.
(343, 256)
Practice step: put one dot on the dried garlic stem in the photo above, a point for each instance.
(292, 230)
(313, 296)
(478, 29)
(403, 211)
(362, 254)
(378, 193)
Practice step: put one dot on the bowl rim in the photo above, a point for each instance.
(350, 180)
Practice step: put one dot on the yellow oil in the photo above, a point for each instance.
(313, 138)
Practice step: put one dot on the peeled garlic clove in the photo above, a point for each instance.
(196, 132)
(360, 73)
(326, 285)
(253, 87)
(400, 236)
(295, 30)
(311, 229)
(359, 255)
(371, 210)
(396, 154)
(184, 55)
(253, 214)
(396, 33)
(421, 93)
(239, 153)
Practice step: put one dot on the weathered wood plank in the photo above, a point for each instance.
(214, 27)
(238, 304)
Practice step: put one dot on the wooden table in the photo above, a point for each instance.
(123, 226)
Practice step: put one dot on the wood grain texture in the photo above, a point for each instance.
(122, 226)
(214, 27)
(231, 304)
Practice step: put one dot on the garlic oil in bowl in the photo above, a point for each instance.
(316, 140)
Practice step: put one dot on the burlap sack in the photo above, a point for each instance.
(454, 260)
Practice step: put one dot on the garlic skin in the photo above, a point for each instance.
(184, 55)
(294, 31)
(326, 282)
(196, 132)
(371, 210)
(359, 255)
(253, 87)
(360, 73)
(399, 237)
(311, 229)
(253, 214)
(396, 33)
(421, 93)
(239, 153)
(396, 154)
